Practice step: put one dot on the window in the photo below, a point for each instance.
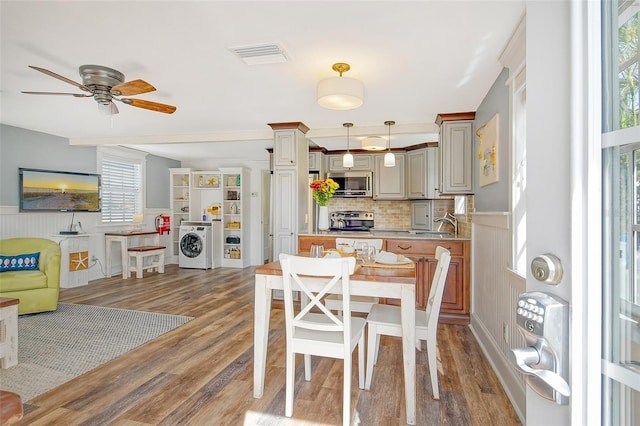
(621, 213)
(514, 58)
(519, 185)
(123, 186)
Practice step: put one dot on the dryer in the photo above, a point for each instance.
(195, 245)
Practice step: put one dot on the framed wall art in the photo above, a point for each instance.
(488, 152)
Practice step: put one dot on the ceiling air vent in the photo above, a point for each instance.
(266, 53)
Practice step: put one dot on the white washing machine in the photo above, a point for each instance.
(195, 245)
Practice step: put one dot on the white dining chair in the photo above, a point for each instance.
(385, 320)
(358, 303)
(320, 333)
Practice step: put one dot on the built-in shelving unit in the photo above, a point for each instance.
(235, 218)
(180, 195)
(206, 200)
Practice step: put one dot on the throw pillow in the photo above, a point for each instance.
(19, 262)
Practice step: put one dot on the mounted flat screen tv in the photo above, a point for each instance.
(50, 190)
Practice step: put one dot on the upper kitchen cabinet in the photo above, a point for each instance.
(456, 153)
(287, 149)
(389, 182)
(318, 161)
(423, 173)
(362, 162)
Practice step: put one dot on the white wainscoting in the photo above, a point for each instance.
(495, 291)
(14, 224)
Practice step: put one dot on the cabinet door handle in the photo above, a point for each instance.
(404, 248)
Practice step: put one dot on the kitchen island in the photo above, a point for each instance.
(420, 247)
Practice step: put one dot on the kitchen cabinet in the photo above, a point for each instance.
(235, 218)
(389, 183)
(417, 176)
(456, 155)
(179, 194)
(433, 173)
(423, 174)
(360, 162)
(455, 305)
(315, 161)
(422, 215)
(285, 149)
(455, 300)
(290, 187)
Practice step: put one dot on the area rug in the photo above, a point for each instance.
(54, 347)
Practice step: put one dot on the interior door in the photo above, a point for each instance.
(267, 234)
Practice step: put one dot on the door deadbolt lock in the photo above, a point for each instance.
(547, 268)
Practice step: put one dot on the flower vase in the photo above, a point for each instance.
(323, 218)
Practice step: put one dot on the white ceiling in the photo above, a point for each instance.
(415, 58)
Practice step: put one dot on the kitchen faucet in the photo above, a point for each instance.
(451, 219)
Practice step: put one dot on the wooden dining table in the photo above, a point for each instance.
(388, 282)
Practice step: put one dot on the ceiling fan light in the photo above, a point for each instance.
(374, 143)
(107, 108)
(347, 160)
(389, 160)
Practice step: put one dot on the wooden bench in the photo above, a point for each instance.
(10, 408)
(8, 332)
(139, 255)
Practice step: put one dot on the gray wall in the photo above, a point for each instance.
(27, 148)
(494, 197)
(158, 181)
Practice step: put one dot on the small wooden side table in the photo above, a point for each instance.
(8, 332)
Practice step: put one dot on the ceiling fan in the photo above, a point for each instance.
(106, 85)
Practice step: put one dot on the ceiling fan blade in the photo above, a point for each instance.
(134, 87)
(59, 77)
(77, 95)
(153, 106)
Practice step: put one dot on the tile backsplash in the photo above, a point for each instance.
(387, 214)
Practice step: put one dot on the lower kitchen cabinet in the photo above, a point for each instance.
(456, 298)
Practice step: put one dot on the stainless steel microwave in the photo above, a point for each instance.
(353, 184)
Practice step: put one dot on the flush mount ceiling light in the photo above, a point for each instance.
(389, 158)
(340, 93)
(347, 159)
(374, 143)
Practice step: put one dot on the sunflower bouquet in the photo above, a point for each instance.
(323, 190)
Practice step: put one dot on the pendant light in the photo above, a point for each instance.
(389, 158)
(347, 159)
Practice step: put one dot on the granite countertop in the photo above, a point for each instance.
(393, 233)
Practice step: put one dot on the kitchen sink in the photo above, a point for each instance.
(398, 232)
(418, 232)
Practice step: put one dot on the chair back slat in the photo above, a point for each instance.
(437, 286)
(332, 272)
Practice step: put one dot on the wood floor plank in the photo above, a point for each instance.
(202, 372)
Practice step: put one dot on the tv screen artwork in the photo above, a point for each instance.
(49, 190)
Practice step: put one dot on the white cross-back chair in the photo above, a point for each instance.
(358, 303)
(385, 319)
(320, 333)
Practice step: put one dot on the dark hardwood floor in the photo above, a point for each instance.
(202, 372)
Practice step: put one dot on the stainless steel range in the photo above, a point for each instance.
(351, 220)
